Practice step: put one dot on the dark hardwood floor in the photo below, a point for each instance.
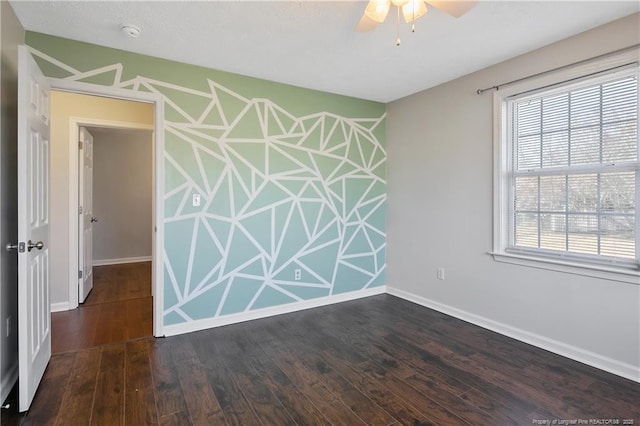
(118, 309)
(375, 361)
(117, 283)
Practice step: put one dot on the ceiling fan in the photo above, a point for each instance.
(376, 11)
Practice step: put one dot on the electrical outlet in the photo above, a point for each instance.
(297, 274)
(440, 274)
(196, 200)
(8, 326)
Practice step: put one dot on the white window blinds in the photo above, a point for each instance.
(576, 170)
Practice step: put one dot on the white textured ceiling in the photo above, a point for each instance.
(312, 43)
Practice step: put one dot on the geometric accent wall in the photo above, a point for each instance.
(292, 206)
(279, 194)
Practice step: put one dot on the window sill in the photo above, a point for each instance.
(594, 271)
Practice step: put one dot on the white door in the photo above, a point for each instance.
(85, 246)
(34, 314)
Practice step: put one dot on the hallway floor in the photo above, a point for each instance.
(118, 309)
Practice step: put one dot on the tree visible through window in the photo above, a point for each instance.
(575, 170)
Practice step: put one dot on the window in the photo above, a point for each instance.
(568, 177)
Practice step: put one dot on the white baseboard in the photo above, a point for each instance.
(60, 306)
(172, 330)
(105, 262)
(8, 381)
(629, 371)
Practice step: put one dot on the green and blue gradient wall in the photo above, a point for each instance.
(289, 179)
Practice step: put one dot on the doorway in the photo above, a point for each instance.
(115, 240)
(139, 305)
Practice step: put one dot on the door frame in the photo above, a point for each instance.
(157, 287)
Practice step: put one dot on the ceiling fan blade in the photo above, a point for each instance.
(455, 8)
(366, 24)
(377, 10)
(413, 10)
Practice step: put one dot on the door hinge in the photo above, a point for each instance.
(79, 144)
(79, 274)
(80, 210)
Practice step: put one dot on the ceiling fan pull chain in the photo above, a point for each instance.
(398, 28)
(413, 18)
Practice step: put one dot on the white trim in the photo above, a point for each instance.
(113, 124)
(59, 306)
(8, 381)
(629, 371)
(105, 262)
(203, 324)
(593, 270)
(157, 246)
(158, 172)
(105, 91)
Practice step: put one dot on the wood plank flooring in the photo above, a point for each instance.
(374, 361)
(117, 283)
(118, 309)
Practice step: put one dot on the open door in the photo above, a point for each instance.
(34, 312)
(85, 199)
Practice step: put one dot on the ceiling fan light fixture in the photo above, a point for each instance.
(377, 10)
(414, 10)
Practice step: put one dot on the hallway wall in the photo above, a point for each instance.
(122, 195)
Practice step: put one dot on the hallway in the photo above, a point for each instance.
(118, 309)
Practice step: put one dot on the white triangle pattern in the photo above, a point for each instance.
(279, 192)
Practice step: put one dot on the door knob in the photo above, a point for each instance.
(94, 219)
(31, 245)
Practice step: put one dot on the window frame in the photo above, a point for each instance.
(503, 174)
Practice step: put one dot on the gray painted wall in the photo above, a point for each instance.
(440, 182)
(12, 35)
(122, 193)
